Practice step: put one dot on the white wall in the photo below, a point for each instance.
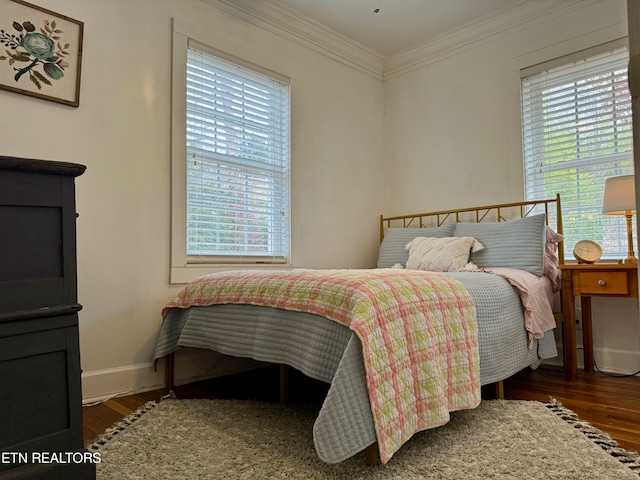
(453, 135)
(121, 132)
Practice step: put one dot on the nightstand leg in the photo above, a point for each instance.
(587, 334)
(569, 338)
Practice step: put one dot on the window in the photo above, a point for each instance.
(577, 132)
(237, 162)
(230, 169)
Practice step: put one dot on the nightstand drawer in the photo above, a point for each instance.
(600, 283)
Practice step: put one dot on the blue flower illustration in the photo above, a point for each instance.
(38, 45)
(37, 48)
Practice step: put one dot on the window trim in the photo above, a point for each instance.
(183, 269)
(573, 57)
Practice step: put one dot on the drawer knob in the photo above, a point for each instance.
(602, 283)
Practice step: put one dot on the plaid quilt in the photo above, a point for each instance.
(418, 332)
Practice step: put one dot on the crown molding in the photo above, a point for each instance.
(282, 20)
(286, 22)
(476, 33)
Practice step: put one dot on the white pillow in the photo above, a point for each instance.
(446, 254)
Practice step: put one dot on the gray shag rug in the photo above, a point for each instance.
(240, 439)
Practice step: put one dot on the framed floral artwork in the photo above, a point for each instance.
(40, 52)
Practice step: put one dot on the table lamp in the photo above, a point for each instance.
(620, 199)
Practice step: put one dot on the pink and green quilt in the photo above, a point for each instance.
(418, 332)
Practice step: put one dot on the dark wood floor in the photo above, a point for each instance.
(610, 404)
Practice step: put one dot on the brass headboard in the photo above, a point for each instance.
(488, 213)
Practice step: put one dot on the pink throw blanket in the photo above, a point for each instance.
(538, 314)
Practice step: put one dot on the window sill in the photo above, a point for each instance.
(188, 273)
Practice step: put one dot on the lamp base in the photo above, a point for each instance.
(631, 257)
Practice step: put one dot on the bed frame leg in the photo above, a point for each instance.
(499, 390)
(493, 391)
(284, 383)
(372, 455)
(169, 367)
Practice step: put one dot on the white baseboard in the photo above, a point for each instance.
(101, 385)
(609, 360)
(621, 362)
(191, 365)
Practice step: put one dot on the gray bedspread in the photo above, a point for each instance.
(328, 351)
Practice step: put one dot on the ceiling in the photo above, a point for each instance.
(399, 24)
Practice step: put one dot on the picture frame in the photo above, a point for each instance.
(40, 52)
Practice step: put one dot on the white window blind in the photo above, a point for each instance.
(238, 162)
(577, 132)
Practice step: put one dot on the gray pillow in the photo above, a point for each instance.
(513, 244)
(392, 249)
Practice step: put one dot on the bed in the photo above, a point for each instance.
(480, 331)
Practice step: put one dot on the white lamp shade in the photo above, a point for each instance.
(619, 195)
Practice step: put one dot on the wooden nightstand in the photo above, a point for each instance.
(586, 281)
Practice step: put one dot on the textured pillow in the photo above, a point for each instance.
(447, 254)
(514, 244)
(551, 259)
(392, 249)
